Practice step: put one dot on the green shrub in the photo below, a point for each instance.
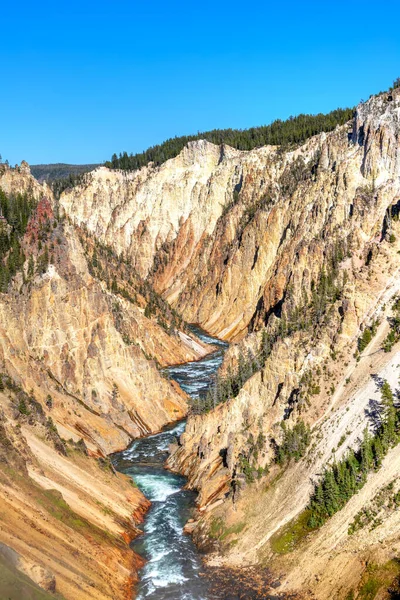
(367, 336)
(22, 407)
(294, 443)
(341, 481)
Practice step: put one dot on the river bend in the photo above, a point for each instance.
(173, 567)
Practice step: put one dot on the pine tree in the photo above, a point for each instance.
(341, 475)
(389, 416)
(318, 514)
(292, 131)
(353, 468)
(331, 493)
(22, 407)
(378, 451)
(43, 262)
(114, 393)
(367, 457)
(241, 375)
(114, 286)
(95, 262)
(265, 345)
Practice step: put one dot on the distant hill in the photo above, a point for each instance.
(294, 130)
(59, 171)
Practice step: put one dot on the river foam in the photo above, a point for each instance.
(173, 567)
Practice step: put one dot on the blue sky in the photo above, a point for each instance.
(81, 80)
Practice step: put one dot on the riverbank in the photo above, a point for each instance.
(246, 583)
(173, 568)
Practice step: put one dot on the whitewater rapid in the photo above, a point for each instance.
(173, 567)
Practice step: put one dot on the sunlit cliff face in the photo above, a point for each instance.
(237, 242)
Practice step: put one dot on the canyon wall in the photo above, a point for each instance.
(79, 379)
(216, 230)
(289, 253)
(294, 250)
(314, 372)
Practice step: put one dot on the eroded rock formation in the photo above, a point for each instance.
(79, 380)
(288, 253)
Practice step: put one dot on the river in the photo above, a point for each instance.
(173, 567)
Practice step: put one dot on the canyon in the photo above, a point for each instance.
(290, 255)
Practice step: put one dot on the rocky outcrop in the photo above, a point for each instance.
(66, 518)
(136, 213)
(325, 213)
(345, 204)
(78, 380)
(59, 338)
(20, 181)
(65, 334)
(287, 253)
(217, 231)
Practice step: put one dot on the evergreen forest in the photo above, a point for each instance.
(294, 130)
(15, 213)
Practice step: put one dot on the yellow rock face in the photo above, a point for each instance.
(221, 232)
(64, 511)
(64, 514)
(253, 279)
(236, 242)
(61, 333)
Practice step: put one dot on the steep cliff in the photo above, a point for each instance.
(291, 254)
(66, 518)
(78, 380)
(58, 329)
(136, 213)
(216, 230)
(329, 219)
(325, 240)
(20, 180)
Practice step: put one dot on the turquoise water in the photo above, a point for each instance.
(173, 567)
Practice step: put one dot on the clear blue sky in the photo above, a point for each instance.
(81, 80)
